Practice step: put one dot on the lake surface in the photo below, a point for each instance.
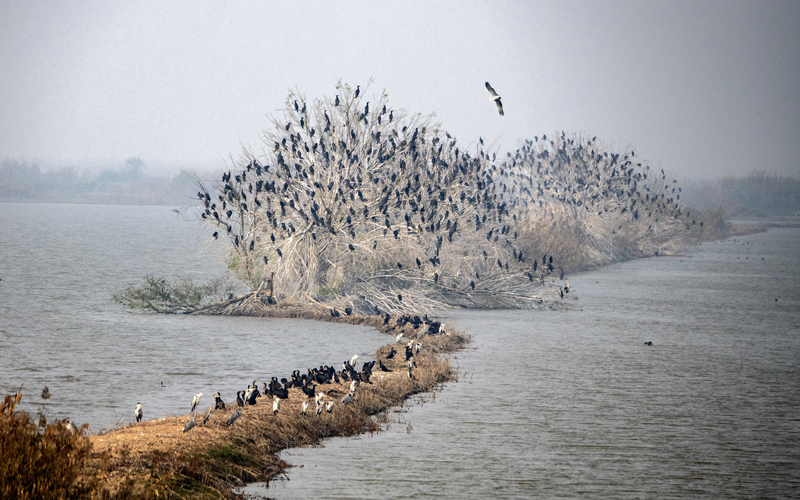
(563, 404)
(60, 328)
(550, 403)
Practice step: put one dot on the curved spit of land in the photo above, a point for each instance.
(157, 457)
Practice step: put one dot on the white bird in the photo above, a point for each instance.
(276, 405)
(347, 399)
(412, 363)
(419, 346)
(495, 98)
(232, 418)
(319, 408)
(399, 338)
(353, 360)
(304, 408)
(138, 412)
(319, 397)
(353, 385)
(196, 400)
(329, 407)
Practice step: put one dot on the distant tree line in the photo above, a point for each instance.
(26, 182)
(756, 195)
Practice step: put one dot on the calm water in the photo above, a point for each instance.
(571, 403)
(59, 327)
(550, 403)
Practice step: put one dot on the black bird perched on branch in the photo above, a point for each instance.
(495, 98)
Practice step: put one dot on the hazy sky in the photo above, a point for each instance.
(701, 89)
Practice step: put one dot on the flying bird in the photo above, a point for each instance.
(495, 98)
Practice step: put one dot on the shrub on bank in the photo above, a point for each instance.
(39, 462)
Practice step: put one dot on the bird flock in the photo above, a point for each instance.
(317, 384)
(362, 200)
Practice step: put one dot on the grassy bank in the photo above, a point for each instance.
(156, 459)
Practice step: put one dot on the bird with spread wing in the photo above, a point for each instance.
(495, 98)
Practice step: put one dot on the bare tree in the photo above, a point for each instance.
(353, 202)
(612, 202)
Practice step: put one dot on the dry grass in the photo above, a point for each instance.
(40, 462)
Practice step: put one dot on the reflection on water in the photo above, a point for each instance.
(570, 403)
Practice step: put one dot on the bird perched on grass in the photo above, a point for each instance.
(304, 408)
(347, 399)
(207, 414)
(329, 407)
(235, 415)
(495, 98)
(191, 423)
(219, 404)
(276, 405)
(69, 425)
(138, 412)
(196, 400)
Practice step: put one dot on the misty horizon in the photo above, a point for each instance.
(702, 90)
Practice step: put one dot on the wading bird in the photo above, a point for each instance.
(207, 414)
(232, 418)
(495, 98)
(196, 400)
(304, 408)
(276, 405)
(138, 412)
(329, 407)
(191, 423)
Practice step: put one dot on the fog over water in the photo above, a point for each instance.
(701, 89)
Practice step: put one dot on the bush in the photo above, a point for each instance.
(158, 295)
(39, 462)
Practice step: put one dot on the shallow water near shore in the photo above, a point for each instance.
(550, 403)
